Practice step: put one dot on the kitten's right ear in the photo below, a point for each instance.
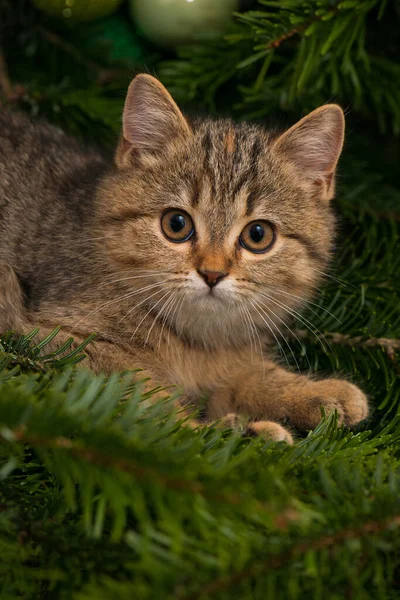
(151, 120)
(314, 144)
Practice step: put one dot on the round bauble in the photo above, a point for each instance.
(117, 35)
(78, 10)
(169, 23)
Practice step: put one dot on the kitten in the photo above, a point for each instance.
(186, 256)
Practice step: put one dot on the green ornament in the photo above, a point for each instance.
(169, 23)
(77, 10)
(116, 36)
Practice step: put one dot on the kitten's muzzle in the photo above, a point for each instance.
(212, 277)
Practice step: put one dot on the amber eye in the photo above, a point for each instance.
(258, 236)
(177, 226)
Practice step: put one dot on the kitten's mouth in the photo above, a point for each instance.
(213, 298)
(213, 293)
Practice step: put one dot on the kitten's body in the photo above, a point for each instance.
(47, 184)
(81, 246)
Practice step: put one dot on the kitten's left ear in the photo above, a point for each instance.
(314, 145)
(150, 121)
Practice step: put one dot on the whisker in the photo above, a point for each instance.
(137, 306)
(114, 301)
(307, 302)
(143, 273)
(248, 330)
(128, 312)
(272, 288)
(340, 281)
(147, 314)
(129, 278)
(252, 302)
(169, 292)
(258, 337)
(290, 330)
(102, 237)
(303, 320)
(176, 314)
(260, 305)
(175, 300)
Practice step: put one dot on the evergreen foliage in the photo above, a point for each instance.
(103, 494)
(291, 54)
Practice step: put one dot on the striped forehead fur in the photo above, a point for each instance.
(230, 157)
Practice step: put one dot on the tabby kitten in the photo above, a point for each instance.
(186, 256)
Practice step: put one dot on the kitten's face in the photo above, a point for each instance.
(219, 228)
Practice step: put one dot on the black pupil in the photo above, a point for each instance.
(177, 223)
(257, 233)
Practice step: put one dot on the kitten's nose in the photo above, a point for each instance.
(212, 277)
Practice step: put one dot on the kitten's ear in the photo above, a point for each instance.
(314, 145)
(151, 119)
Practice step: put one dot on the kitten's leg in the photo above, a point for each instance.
(105, 357)
(222, 401)
(271, 393)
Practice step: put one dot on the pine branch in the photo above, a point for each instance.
(103, 494)
(277, 562)
(26, 353)
(284, 518)
(391, 346)
(311, 51)
(295, 30)
(87, 441)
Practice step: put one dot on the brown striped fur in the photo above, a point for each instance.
(81, 246)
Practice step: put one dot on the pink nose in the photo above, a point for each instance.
(212, 277)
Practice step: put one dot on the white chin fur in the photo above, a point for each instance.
(212, 319)
(220, 316)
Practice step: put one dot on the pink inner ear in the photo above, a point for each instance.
(317, 150)
(314, 144)
(151, 118)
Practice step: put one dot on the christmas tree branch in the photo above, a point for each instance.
(390, 345)
(276, 562)
(299, 29)
(282, 520)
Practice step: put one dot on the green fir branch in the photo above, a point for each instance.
(311, 51)
(105, 494)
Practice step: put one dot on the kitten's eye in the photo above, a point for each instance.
(177, 226)
(258, 236)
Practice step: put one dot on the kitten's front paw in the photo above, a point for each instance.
(332, 394)
(269, 430)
